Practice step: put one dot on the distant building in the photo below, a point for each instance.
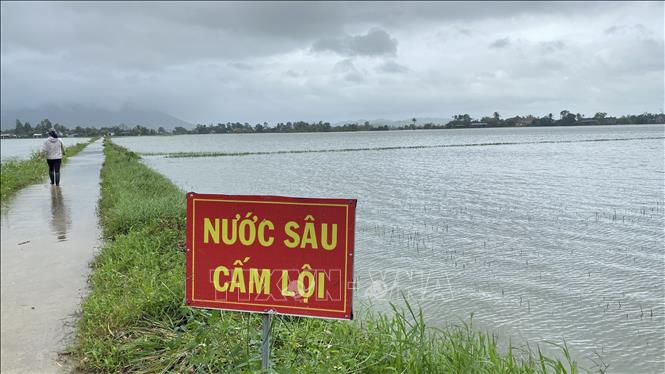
(37, 135)
(478, 124)
(6, 136)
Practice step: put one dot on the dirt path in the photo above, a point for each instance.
(49, 236)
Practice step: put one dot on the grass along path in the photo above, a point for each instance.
(16, 174)
(135, 319)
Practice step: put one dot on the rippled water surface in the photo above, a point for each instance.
(23, 148)
(541, 241)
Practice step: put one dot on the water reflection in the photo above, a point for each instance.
(59, 214)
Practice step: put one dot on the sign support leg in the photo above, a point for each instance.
(265, 345)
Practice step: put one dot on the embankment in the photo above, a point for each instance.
(135, 319)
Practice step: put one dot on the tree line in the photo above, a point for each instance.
(564, 118)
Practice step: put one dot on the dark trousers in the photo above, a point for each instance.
(54, 170)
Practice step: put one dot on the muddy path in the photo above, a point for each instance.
(49, 235)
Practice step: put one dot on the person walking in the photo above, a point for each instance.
(54, 151)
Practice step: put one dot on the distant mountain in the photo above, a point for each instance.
(89, 116)
(397, 123)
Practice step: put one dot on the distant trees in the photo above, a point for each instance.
(19, 130)
(545, 120)
(26, 129)
(564, 113)
(179, 130)
(459, 121)
(567, 119)
(641, 118)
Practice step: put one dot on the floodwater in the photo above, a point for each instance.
(24, 148)
(49, 235)
(541, 241)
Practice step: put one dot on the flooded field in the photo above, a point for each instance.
(543, 234)
(23, 148)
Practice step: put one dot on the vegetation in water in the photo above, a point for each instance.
(16, 174)
(135, 319)
(226, 154)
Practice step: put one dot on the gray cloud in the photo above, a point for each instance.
(500, 43)
(241, 65)
(464, 31)
(344, 66)
(355, 77)
(623, 29)
(392, 67)
(552, 45)
(348, 71)
(245, 61)
(376, 42)
(292, 74)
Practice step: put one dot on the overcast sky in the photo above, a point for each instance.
(255, 62)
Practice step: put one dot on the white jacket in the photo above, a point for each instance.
(53, 148)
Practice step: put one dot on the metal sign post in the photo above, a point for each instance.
(265, 345)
